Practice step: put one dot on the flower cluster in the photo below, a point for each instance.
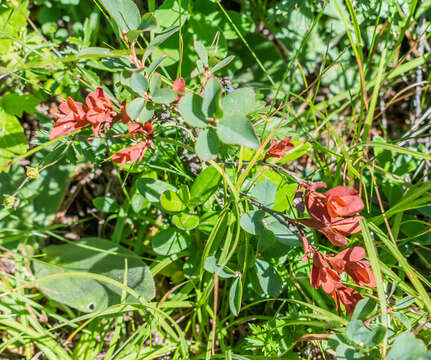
(99, 113)
(72, 115)
(326, 272)
(327, 211)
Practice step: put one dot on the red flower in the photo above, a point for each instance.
(125, 118)
(278, 149)
(347, 296)
(138, 128)
(351, 261)
(132, 154)
(71, 117)
(326, 211)
(100, 112)
(343, 201)
(179, 86)
(322, 274)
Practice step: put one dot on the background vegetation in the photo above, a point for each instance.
(193, 252)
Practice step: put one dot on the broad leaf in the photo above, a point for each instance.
(85, 295)
(138, 110)
(237, 130)
(269, 279)
(164, 96)
(12, 139)
(235, 296)
(170, 241)
(125, 13)
(190, 107)
(172, 202)
(152, 189)
(207, 145)
(252, 222)
(211, 100)
(139, 84)
(185, 221)
(239, 102)
(106, 204)
(205, 185)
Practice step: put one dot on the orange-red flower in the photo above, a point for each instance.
(347, 296)
(343, 201)
(125, 118)
(179, 86)
(326, 211)
(131, 154)
(100, 112)
(351, 261)
(278, 149)
(322, 274)
(71, 117)
(136, 128)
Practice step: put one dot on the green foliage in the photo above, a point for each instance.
(205, 257)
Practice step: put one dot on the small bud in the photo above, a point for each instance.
(9, 201)
(33, 172)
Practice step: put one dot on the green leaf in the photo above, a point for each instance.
(106, 204)
(132, 35)
(155, 83)
(155, 64)
(364, 308)
(404, 303)
(85, 295)
(12, 139)
(212, 267)
(363, 336)
(269, 279)
(125, 13)
(164, 96)
(207, 145)
(235, 296)
(171, 202)
(17, 104)
(152, 189)
(264, 192)
(281, 232)
(406, 347)
(205, 184)
(170, 241)
(94, 52)
(103, 257)
(237, 130)
(185, 221)
(239, 102)
(211, 100)
(222, 64)
(252, 222)
(138, 111)
(139, 84)
(202, 52)
(148, 22)
(190, 107)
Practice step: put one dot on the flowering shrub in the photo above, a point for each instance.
(214, 179)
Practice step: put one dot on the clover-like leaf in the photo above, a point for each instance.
(172, 202)
(137, 110)
(185, 221)
(211, 100)
(164, 96)
(139, 83)
(170, 241)
(239, 102)
(207, 145)
(237, 130)
(190, 107)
